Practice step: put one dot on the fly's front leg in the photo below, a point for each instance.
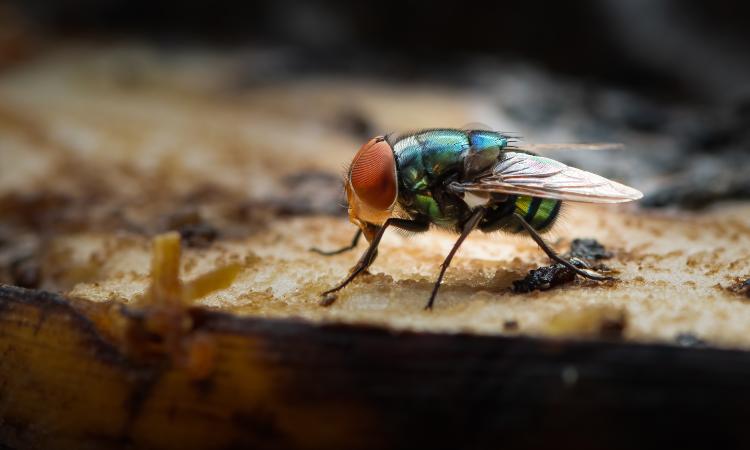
(364, 262)
(355, 241)
(372, 250)
(555, 257)
(467, 228)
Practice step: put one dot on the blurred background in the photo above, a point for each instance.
(672, 49)
(671, 79)
(666, 49)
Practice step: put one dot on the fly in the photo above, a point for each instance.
(464, 180)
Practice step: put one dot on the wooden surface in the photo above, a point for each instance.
(101, 148)
(104, 147)
(290, 384)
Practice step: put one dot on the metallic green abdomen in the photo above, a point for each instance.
(540, 213)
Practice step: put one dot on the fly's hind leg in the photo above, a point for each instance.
(555, 257)
(355, 241)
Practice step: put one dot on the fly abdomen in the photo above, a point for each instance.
(540, 213)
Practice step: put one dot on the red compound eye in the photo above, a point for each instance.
(373, 175)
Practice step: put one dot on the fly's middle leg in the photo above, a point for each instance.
(467, 228)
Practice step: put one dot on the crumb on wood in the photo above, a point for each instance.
(161, 324)
(544, 278)
(582, 252)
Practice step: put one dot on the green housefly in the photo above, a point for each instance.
(463, 180)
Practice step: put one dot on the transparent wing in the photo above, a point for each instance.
(541, 148)
(524, 174)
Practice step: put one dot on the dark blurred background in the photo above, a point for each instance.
(665, 68)
(696, 50)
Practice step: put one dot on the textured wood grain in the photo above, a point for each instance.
(103, 148)
(289, 384)
(93, 166)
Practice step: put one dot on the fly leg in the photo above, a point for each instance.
(468, 227)
(555, 257)
(372, 250)
(355, 241)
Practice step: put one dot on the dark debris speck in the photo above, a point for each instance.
(741, 287)
(589, 249)
(194, 230)
(544, 278)
(547, 277)
(26, 273)
(198, 235)
(510, 325)
(309, 193)
(356, 123)
(690, 340)
(613, 327)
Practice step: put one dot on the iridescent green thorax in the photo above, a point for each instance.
(425, 159)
